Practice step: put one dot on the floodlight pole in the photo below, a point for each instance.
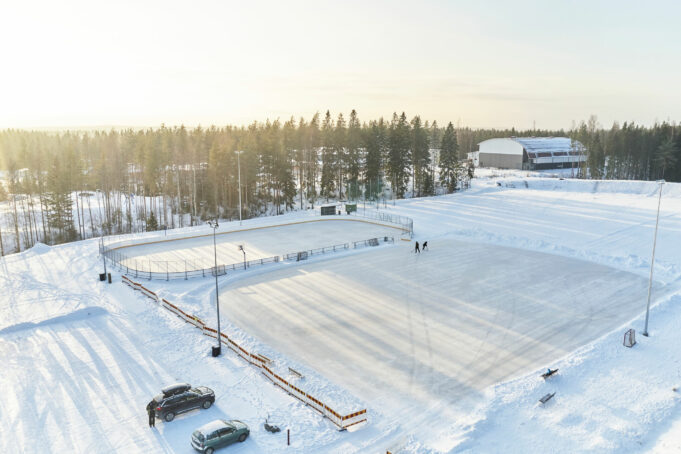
(103, 253)
(238, 160)
(241, 248)
(652, 260)
(214, 225)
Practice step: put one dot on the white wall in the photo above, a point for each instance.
(501, 146)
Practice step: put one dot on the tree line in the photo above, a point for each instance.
(185, 176)
(630, 152)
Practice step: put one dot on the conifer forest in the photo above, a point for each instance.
(57, 187)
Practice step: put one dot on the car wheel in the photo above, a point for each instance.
(206, 404)
(242, 438)
(208, 451)
(169, 416)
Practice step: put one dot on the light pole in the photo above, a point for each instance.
(241, 248)
(652, 260)
(101, 238)
(238, 161)
(103, 253)
(216, 350)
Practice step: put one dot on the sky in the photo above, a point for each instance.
(475, 63)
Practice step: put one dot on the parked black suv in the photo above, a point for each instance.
(181, 398)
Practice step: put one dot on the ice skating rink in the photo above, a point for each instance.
(412, 332)
(259, 243)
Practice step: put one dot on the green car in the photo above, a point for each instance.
(217, 434)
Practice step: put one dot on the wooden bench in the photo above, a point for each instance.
(547, 397)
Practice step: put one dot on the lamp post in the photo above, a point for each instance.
(652, 260)
(216, 350)
(241, 248)
(103, 253)
(238, 161)
(101, 238)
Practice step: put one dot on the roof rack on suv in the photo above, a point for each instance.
(176, 388)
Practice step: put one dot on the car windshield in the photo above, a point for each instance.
(198, 435)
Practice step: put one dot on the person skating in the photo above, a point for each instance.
(152, 414)
(416, 248)
(425, 245)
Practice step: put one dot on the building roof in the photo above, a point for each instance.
(545, 144)
(537, 146)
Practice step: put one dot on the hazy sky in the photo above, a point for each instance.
(483, 63)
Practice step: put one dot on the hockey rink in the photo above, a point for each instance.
(260, 242)
(410, 333)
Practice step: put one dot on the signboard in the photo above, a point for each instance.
(329, 210)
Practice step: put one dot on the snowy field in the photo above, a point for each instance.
(443, 349)
(258, 242)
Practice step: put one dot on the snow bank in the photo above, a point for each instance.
(644, 188)
(39, 248)
(76, 315)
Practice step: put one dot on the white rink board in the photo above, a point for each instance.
(258, 243)
(437, 328)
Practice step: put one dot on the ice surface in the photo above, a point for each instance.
(257, 242)
(434, 328)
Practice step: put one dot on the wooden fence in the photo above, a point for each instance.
(341, 421)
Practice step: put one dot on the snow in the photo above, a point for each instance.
(523, 273)
(212, 426)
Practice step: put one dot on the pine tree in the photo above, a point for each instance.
(327, 186)
(354, 155)
(340, 151)
(375, 138)
(399, 154)
(312, 143)
(152, 222)
(59, 203)
(420, 159)
(285, 159)
(449, 163)
(665, 156)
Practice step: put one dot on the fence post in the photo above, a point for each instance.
(167, 274)
(185, 269)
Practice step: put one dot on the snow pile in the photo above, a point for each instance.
(645, 188)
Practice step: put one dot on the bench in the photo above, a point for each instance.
(547, 397)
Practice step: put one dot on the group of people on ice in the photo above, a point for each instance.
(417, 250)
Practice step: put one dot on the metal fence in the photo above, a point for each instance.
(303, 255)
(167, 270)
(405, 223)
